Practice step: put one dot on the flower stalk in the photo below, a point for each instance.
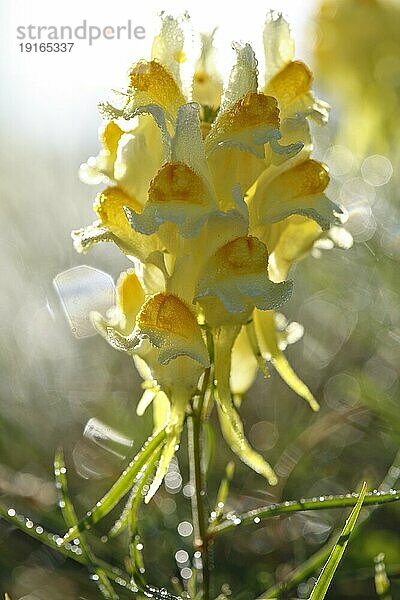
(195, 424)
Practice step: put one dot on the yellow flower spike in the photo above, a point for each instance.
(231, 424)
(298, 190)
(172, 327)
(152, 83)
(130, 297)
(235, 280)
(267, 336)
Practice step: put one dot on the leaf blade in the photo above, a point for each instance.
(120, 488)
(325, 578)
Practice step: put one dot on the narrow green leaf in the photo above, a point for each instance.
(223, 492)
(254, 517)
(55, 542)
(303, 571)
(120, 488)
(135, 497)
(329, 569)
(71, 520)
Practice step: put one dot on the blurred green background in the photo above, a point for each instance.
(52, 384)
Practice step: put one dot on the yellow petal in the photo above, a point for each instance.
(130, 297)
(235, 280)
(248, 124)
(110, 135)
(109, 205)
(168, 45)
(292, 88)
(152, 83)
(177, 195)
(289, 240)
(171, 326)
(97, 170)
(207, 81)
(178, 182)
(310, 177)
(243, 77)
(140, 155)
(292, 81)
(244, 365)
(232, 166)
(298, 190)
(264, 322)
(278, 44)
(231, 424)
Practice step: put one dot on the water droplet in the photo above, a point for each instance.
(185, 528)
(181, 556)
(186, 573)
(256, 520)
(377, 170)
(11, 512)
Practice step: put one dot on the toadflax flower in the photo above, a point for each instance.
(213, 195)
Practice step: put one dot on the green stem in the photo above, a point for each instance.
(195, 431)
(254, 517)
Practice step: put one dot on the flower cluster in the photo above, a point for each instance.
(212, 195)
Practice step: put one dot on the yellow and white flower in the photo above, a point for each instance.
(213, 196)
